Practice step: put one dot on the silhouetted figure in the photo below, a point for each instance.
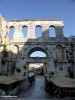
(30, 80)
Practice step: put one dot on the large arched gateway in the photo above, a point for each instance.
(38, 59)
(15, 51)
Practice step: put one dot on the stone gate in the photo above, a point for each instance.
(59, 50)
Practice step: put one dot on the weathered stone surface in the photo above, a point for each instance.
(60, 50)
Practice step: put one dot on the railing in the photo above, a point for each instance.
(37, 59)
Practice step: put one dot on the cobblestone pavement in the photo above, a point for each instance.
(37, 91)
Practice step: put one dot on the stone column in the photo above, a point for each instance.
(51, 66)
(45, 68)
(31, 31)
(3, 28)
(45, 31)
(17, 33)
(65, 54)
(59, 32)
(24, 83)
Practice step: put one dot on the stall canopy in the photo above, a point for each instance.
(10, 79)
(63, 81)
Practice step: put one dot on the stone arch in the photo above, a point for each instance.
(38, 54)
(38, 28)
(52, 32)
(24, 30)
(11, 31)
(37, 48)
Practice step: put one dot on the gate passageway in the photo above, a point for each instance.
(37, 91)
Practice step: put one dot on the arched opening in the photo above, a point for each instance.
(52, 31)
(38, 31)
(38, 54)
(39, 50)
(24, 31)
(37, 65)
(11, 32)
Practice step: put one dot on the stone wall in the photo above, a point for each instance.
(59, 50)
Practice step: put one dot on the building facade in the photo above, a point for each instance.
(15, 52)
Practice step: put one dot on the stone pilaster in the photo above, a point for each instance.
(59, 32)
(31, 31)
(45, 32)
(18, 32)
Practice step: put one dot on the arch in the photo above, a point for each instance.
(37, 48)
(38, 31)
(38, 54)
(11, 31)
(38, 60)
(24, 31)
(52, 31)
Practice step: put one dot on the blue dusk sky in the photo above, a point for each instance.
(41, 9)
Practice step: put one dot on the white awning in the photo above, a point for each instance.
(10, 79)
(63, 81)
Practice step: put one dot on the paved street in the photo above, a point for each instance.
(37, 91)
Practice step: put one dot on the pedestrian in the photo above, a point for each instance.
(30, 81)
(3, 93)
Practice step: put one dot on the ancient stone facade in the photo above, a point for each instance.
(15, 52)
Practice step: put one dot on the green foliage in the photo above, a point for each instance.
(18, 70)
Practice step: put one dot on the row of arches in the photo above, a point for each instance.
(38, 31)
